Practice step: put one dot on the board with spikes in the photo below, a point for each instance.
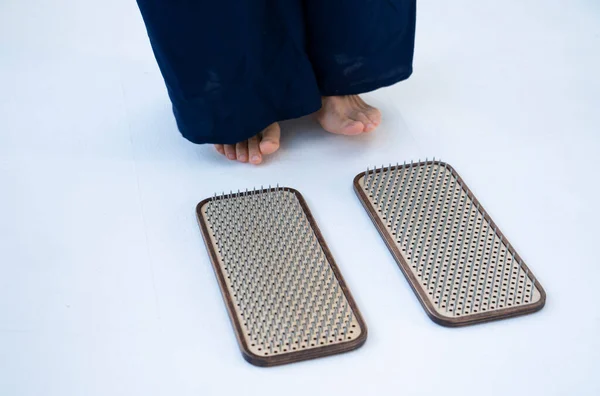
(461, 267)
(284, 293)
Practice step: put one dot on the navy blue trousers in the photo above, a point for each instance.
(233, 67)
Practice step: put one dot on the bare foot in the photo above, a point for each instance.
(348, 115)
(254, 149)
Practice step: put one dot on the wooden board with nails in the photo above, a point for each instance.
(285, 295)
(461, 267)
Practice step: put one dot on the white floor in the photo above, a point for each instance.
(105, 284)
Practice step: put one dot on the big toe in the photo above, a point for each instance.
(270, 139)
(350, 127)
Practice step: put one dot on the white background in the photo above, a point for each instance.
(105, 284)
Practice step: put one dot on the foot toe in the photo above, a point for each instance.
(270, 139)
(254, 151)
(351, 127)
(374, 115)
(268, 147)
(348, 115)
(368, 125)
(241, 151)
(229, 151)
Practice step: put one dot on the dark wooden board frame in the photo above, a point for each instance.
(295, 356)
(421, 294)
